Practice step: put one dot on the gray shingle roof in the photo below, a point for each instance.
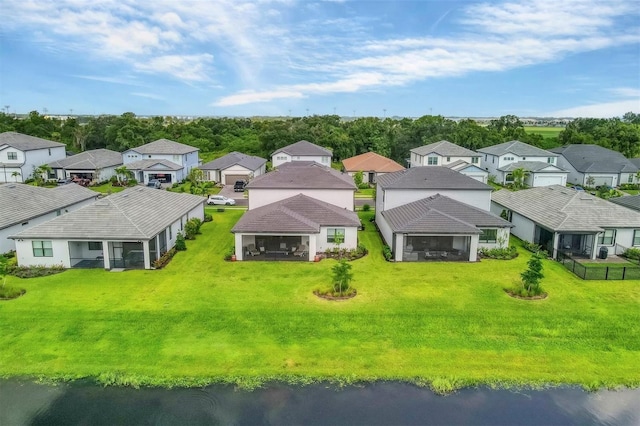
(165, 146)
(595, 159)
(533, 166)
(564, 209)
(303, 175)
(518, 148)
(445, 149)
(297, 214)
(462, 165)
(630, 201)
(234, 158)
(25, 142)
(635, 162)
(147, 164)
(137, 213)
(303, 148)
(21, 202)
(89, 160)
(439, 214)
(429, 177)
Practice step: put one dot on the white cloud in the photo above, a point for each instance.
(148, 95)
(251, 97)
(184, 67)
(600, 110)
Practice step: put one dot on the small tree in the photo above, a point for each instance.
(342, 276)
(15, 175)
(532, 275)
(181, 244)
(591, 181)
(519, 176)
(358, 178)
(123, 174)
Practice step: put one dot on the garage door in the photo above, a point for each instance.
(546, 180)
(231, 179)
(603, 180)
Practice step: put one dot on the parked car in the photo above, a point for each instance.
(65, 181)
(578, 188)
(239, 186)
(154, 183)
(220, 200)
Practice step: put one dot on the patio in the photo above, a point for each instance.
(436, 248)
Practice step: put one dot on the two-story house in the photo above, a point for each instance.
(21, 154)
(164, 160)
(448, 154)
(539, 165)
(301, 151)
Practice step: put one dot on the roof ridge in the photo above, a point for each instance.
(124, 214)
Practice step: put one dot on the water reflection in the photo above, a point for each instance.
(23, 403)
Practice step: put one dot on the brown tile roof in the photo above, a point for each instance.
(371, 162)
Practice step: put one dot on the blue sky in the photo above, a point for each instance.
(284, 57)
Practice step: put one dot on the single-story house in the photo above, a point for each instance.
(371, 165)
(25, 206)
(233, 167)
(594, 165)
(301, 151)
(164, 160)
(442, 153)
(97, 165)
(563, 219)
(302, 177)
(441, 228)
(130, 229)
(163, 170)
(21, 154)
(470, 170)
(538, 173)
(629, 201)
(295, 228)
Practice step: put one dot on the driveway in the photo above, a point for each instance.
(228, 192)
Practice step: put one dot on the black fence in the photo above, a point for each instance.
(597, 272)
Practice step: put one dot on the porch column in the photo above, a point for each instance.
(312, 246)
(239, 250)
(147, 255)
(594, 251)
(105, 255)
(473, 247)
(556, 237)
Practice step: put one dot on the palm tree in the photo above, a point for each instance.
(15, 175)
(519, 176)
(44, 169)
(123, 174)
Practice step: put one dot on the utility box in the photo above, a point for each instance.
(604, 252)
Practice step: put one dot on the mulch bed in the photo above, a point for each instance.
(335, 298)
(517, 296)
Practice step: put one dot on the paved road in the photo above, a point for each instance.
(228, 191)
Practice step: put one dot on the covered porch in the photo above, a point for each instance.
(443, 248)
(119, 254)
(256, 247)
(577, 245)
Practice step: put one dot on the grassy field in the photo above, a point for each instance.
(107, 188)
(202, 320)
(546, 132)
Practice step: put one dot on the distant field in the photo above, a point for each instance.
(546, 132)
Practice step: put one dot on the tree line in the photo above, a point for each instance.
(390, 137)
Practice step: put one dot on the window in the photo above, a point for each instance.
(432, 161)
(524, 158)
(489, 235)
(636, 237)
(42, 249)
(448, 159)
(475, 160)
(95, 245)
(170, 232)
(12, 155)
(550, 160)
(58, 212)
(607, 237)
(630, 179)
(49, 152)
(508, 158)
(333, 232)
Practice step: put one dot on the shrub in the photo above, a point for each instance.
(386, 252)
(503, 253)
(192, 228)
(629, 186)
(531, 277)
(35, 271)
(208, 217)
(366, 207)
(8, 292)
(632, 253)
(363, 186)
(164, 259)
(229, 254)
(342, 277)
(181, 244)
(532, 247)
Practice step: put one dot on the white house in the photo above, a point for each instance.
(129, 229)
(165, 160)
(439, 228)
(593, 162)
(371, 165)
(470, 170)
(563, 219)
(233, 167)
(302, 177)
(442, 153)
(541, 165)
(97, 165)
(25, 206)
(21, 154)
(301, 151)
(295, 228)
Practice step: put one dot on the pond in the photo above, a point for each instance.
(26, 403)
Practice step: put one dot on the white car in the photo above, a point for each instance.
(220, 200)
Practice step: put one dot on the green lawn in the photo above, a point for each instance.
(107, 188)
(203, 320)
(631, 191)
(365, 193)
(546, 132)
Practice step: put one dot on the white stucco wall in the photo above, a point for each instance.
(60, 248)
(343, 198)
(423, 160)
(31, 160)
(398, 197)
(384, 228)
(523, 228)
(350, 239)
(503, 234)
(282, 158)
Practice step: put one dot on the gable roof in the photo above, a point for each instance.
(296, 214)
(164, 146)
(137, 213)
(564, 209)
(371, 162)
(25, 142)
(630, 201)
(429, 177)
(303, 175)
(463, 165)
(595, 159)
(635, 162)
(89, 160)
(445, 149)
(21, 202)
(518, 148)
(440, 214)
(234, 158)
(148, 163)
(533, 166)
(303, 148)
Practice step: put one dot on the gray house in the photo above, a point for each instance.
(96, 164)
(301, 151)
(629, 201)
(602, 165)
(21, 154)
(233, 167)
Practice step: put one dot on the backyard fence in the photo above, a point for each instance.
(598, 272)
